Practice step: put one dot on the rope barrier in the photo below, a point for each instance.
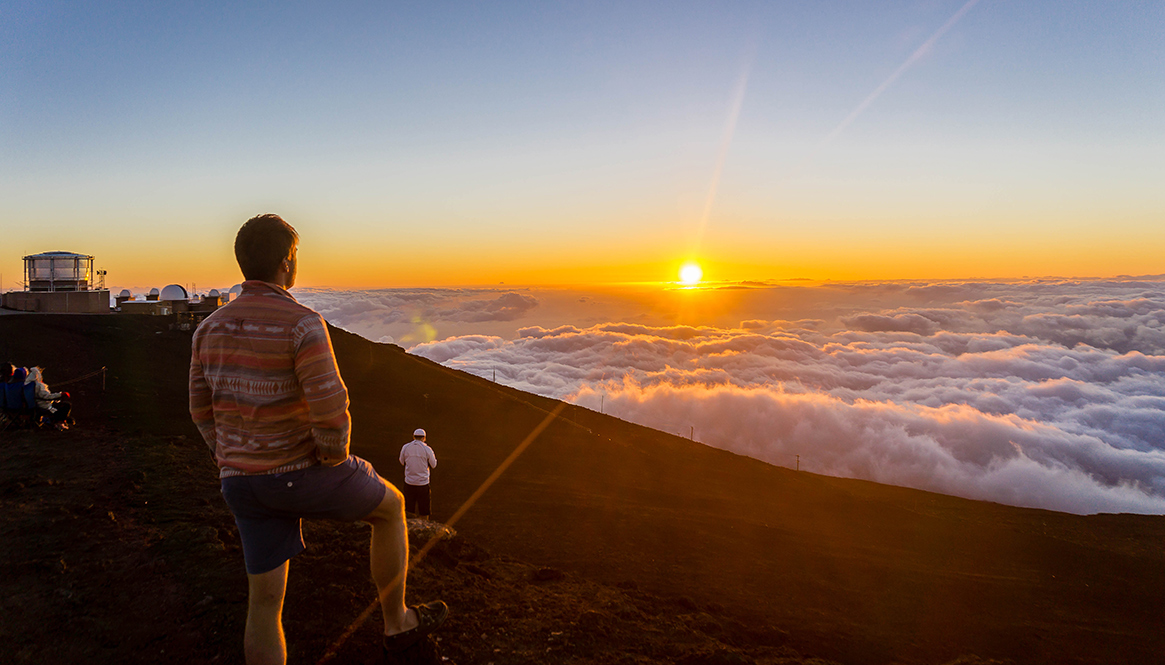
(79, 378)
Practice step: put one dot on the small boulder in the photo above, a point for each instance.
(548, 575)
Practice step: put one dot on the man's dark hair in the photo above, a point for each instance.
(261, 244)
(6, 370)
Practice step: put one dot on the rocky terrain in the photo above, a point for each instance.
(601, 542)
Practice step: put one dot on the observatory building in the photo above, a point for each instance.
(60, 282)
(172, 299)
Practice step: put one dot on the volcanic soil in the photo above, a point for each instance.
(580, 538)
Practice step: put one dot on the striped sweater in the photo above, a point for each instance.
(265, 391)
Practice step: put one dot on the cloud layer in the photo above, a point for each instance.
(1047, 394)
(414, 315)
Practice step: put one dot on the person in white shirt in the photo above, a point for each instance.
(417, 458)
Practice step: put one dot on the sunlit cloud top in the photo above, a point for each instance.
(1042, 394)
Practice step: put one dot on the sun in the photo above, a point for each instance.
(691, 274)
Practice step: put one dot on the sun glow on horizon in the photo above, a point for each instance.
(691, 274)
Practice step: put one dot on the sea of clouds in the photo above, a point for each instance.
(1044, 393)
(410, 316)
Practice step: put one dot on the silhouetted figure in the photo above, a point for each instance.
(14, 402)
(417, 458)
(267, 396)
(6, 370)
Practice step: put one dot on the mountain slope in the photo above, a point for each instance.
(849, 570)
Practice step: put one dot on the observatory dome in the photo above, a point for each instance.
(154, 292)
(214, 293)
(173, 292)
(237, 289)
(125, 294)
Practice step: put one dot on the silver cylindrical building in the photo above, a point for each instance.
(58, 271)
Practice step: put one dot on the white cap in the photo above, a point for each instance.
(418, 432)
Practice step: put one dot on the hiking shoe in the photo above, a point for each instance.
(429, 618)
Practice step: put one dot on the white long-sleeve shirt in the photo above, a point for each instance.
(417, 458)
(44, 398)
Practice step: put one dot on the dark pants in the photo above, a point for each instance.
(58, 416)
(268, 508)
(418, 499)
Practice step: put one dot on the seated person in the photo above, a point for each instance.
(5, 374)
(14, 390)
(49, 404)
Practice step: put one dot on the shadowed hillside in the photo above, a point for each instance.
(774, 559)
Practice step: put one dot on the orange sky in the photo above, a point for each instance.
(591, 145)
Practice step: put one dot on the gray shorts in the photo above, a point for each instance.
(268, 509)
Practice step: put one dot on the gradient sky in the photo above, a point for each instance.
(552, 143)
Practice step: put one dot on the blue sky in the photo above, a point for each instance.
(468, 143)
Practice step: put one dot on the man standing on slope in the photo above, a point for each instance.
(266, 394)
(417, 458)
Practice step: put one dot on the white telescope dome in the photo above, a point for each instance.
(174, 292)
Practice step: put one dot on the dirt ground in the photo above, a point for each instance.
(603, 542)
(117, 549)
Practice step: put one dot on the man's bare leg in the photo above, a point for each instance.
(390, 559)
(263, 641)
